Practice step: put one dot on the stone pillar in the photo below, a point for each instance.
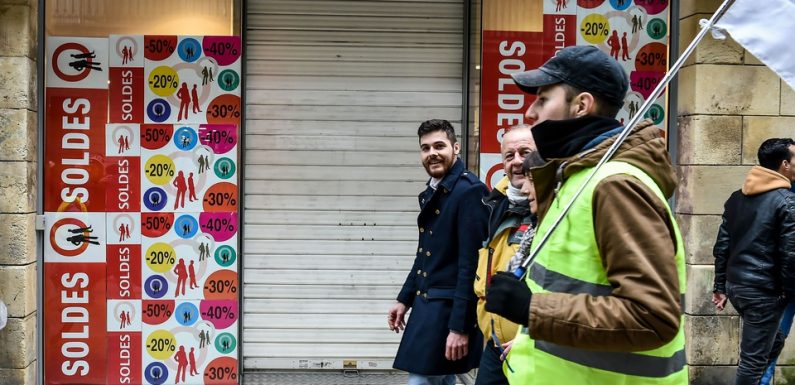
(18, 137)
(721, 123)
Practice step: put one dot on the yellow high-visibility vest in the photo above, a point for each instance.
(572, 257)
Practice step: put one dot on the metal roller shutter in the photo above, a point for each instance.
(335, 92)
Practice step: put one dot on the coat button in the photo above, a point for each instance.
(437, 211)
(418, 292)
(419, 271)
(424, 295)
(420, 250)
(430, 232)
(428, 253)
(424, 273)
(422, 229)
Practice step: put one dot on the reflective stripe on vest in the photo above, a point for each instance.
(560, 283)
(581, 271)
(618, 362)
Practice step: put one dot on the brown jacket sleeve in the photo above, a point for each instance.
(637, 244)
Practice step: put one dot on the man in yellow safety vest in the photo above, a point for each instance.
(601, 302)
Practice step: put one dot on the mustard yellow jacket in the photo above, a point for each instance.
(493, 257)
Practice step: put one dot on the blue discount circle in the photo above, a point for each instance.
(156, 286)
(155, 198)
(185, 138)
(158, 110)
(189, 49)
(186, 314)
(620, 4)
(156, 373)
(186, 226)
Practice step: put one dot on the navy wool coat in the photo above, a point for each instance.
(452, 225)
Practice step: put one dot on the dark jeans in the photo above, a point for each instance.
(490, 369)
(761, 312)
(778, 344)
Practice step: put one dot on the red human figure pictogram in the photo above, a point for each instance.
(184, 101)
(182, 277)
(181, 186)
(182, 364)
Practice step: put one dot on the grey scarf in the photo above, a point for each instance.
(524, 248)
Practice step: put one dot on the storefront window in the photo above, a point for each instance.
(519, 35)
(100, 18)
(142, 113)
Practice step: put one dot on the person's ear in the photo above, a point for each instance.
(583, 104)
(456, 148)
(784, 167)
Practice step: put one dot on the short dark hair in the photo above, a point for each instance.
(603, 106)
(434, 125)
(773, 151)
(531, 160)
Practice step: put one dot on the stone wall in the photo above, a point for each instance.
(728, 104)
(18, 137)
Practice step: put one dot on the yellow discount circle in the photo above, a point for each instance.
(595, 28)
(163, 81)
(161, 344)
(159, 169)
(160, 257)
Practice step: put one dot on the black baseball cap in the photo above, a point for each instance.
(582, 66)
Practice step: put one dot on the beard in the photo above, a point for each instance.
(438, 167)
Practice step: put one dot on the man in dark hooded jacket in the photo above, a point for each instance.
(755, 254)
